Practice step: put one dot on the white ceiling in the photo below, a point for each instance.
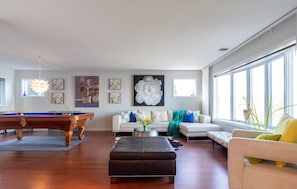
(128, 34)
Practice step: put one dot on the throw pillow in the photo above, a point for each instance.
(287, 127)
(170, 115)
(160, 115)
(196, 115)
(125, 117)
(189, 117)
(132, 117)
(145, 114)
(263, 136)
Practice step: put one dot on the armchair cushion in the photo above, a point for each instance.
(264, 136)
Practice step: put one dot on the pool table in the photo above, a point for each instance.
(64, 121)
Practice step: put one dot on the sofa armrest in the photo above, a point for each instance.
(246, 133)
(116, 122)
(239, 148)
(204, 118)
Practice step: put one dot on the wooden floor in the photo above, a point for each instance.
(86, 167)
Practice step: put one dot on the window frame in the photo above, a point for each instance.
(194, 88)
(3, 100)
(32, 94)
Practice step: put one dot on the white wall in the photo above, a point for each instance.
(9, 76)
(103, 114)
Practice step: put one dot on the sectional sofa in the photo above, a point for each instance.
(196, 126)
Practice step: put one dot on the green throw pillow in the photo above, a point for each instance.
(263, 136)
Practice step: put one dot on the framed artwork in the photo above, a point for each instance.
(114, 84)
(58, 98)
(148, 90)
(114, 98)
(86, 91)
(58, 84)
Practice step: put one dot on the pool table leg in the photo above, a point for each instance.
(81, 132)
(19, 134)
(68, 136)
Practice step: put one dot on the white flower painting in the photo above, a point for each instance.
(149, 90)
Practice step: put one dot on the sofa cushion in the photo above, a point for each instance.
(199, 127)
(287, 127)
(264, 136)
(159, 115)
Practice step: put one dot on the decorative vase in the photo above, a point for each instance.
(144, 127)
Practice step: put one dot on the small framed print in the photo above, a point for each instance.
(58, 84)
(114, 98)
(58, 98)
(114, 84)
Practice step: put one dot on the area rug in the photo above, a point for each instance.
(40, 143)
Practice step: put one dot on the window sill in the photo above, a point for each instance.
(230, 125)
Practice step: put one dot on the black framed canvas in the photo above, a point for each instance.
(148, 90)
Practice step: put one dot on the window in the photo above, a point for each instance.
(239, 91)
(2, 92)
(257, 91)
(277, 89)
(27, 91)
(222, 97)
(268, 84)
(294, 83)
(184, 87)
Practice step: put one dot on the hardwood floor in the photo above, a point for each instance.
(86, 166)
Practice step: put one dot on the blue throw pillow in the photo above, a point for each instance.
(189, 118)
(132, 117)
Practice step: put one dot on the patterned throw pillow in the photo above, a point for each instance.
(125, 116)
(160, 115)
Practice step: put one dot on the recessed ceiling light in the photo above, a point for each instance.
(223, 49)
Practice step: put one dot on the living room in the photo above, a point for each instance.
(272, 37)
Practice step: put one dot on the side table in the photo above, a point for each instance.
(139, 132)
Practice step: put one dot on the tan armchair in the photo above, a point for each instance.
(265, 175)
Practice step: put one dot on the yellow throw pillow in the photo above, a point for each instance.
(264, 136)
(287, 127)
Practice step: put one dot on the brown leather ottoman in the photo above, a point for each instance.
(142, 157)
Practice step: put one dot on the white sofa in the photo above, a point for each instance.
(160, 121)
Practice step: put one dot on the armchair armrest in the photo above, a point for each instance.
(246, 133)
(239, 148)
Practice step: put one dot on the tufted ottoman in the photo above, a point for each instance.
(142, 157)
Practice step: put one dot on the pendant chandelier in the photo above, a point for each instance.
(39, 85)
